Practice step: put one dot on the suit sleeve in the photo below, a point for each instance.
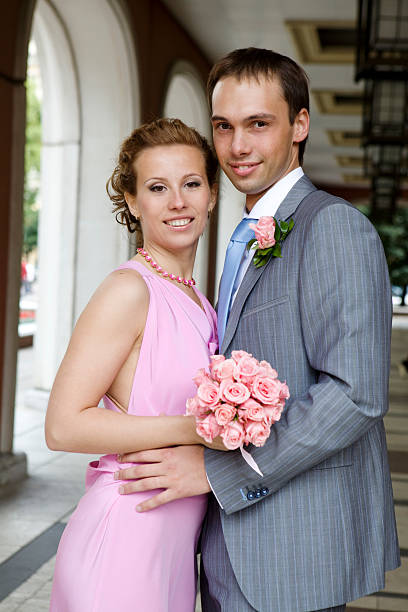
(345, 308)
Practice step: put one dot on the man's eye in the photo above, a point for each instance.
(223, 126)
(259, 124)
(157, 188)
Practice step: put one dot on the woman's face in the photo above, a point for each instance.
(172, 196)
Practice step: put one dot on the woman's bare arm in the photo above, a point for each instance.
(102, 341)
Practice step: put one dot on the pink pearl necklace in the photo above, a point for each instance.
(188, 282)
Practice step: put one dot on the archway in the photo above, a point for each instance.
(185, 99)
(91, 102)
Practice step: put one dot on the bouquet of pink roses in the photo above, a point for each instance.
(239, 399)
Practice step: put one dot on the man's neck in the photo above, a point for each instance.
(252, 199)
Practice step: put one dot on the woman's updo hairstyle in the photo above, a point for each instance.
(157, 133)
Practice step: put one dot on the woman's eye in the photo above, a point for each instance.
(193, 184)
(157, 188)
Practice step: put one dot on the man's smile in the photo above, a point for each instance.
(244, 168)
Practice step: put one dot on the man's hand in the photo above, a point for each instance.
(179, 470)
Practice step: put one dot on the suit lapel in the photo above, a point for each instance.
(286, 209)
(298, 192)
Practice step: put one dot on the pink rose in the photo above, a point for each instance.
(217, 358)
(201, 377)
(208, 394)
(284, 392)
(233, 435)
(194, 407)
(256, 433)
(246, 369)
(222, 369)
(264, 232)
(224, 414)
(215, 362)
(265, 369)
(266, 389)
(251, 410)
(273, 413)
(237, 355)
(208, 428)
(234, 392)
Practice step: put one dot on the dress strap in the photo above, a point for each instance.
(112, 399)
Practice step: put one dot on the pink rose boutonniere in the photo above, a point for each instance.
(269, 235)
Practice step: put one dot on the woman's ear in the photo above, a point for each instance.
(213, 197)
(131, 201)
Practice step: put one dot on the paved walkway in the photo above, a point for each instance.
(33, 513)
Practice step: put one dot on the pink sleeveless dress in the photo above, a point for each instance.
(110, 557)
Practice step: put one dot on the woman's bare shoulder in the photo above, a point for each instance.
(125, 285)
(123, 294)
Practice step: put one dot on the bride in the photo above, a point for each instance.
(138, 344)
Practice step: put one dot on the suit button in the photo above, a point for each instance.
(258, 493)
(264, 491)
(250, 495)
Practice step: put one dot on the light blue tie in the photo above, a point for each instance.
(236, 248)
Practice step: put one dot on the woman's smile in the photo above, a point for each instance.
(180, 222)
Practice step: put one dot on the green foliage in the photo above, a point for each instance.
(32, 164)
(394, 236)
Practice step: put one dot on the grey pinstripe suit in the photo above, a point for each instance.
(325, 532)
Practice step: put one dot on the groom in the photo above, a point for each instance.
(317, 529)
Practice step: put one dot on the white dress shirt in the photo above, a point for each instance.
(266, 206)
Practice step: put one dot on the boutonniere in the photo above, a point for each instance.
(269, 235)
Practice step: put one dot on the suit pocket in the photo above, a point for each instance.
(261, 307)
(342, 459)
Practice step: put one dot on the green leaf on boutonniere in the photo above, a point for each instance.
(277, 232)
(263, 252)
(284, 226)
(250, 243)
(262, 260)
(277, 251)
(291, 224)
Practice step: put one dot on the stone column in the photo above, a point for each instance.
(15, 31)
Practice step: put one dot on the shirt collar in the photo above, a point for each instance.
(269, 203)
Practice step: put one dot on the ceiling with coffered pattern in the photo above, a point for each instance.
(321, 36)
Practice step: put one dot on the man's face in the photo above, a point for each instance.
(254, 140)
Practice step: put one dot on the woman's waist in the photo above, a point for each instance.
(103, 469)
(100, 474)
(107, 463)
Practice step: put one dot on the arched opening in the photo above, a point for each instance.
(90, 103)
(185, 99)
